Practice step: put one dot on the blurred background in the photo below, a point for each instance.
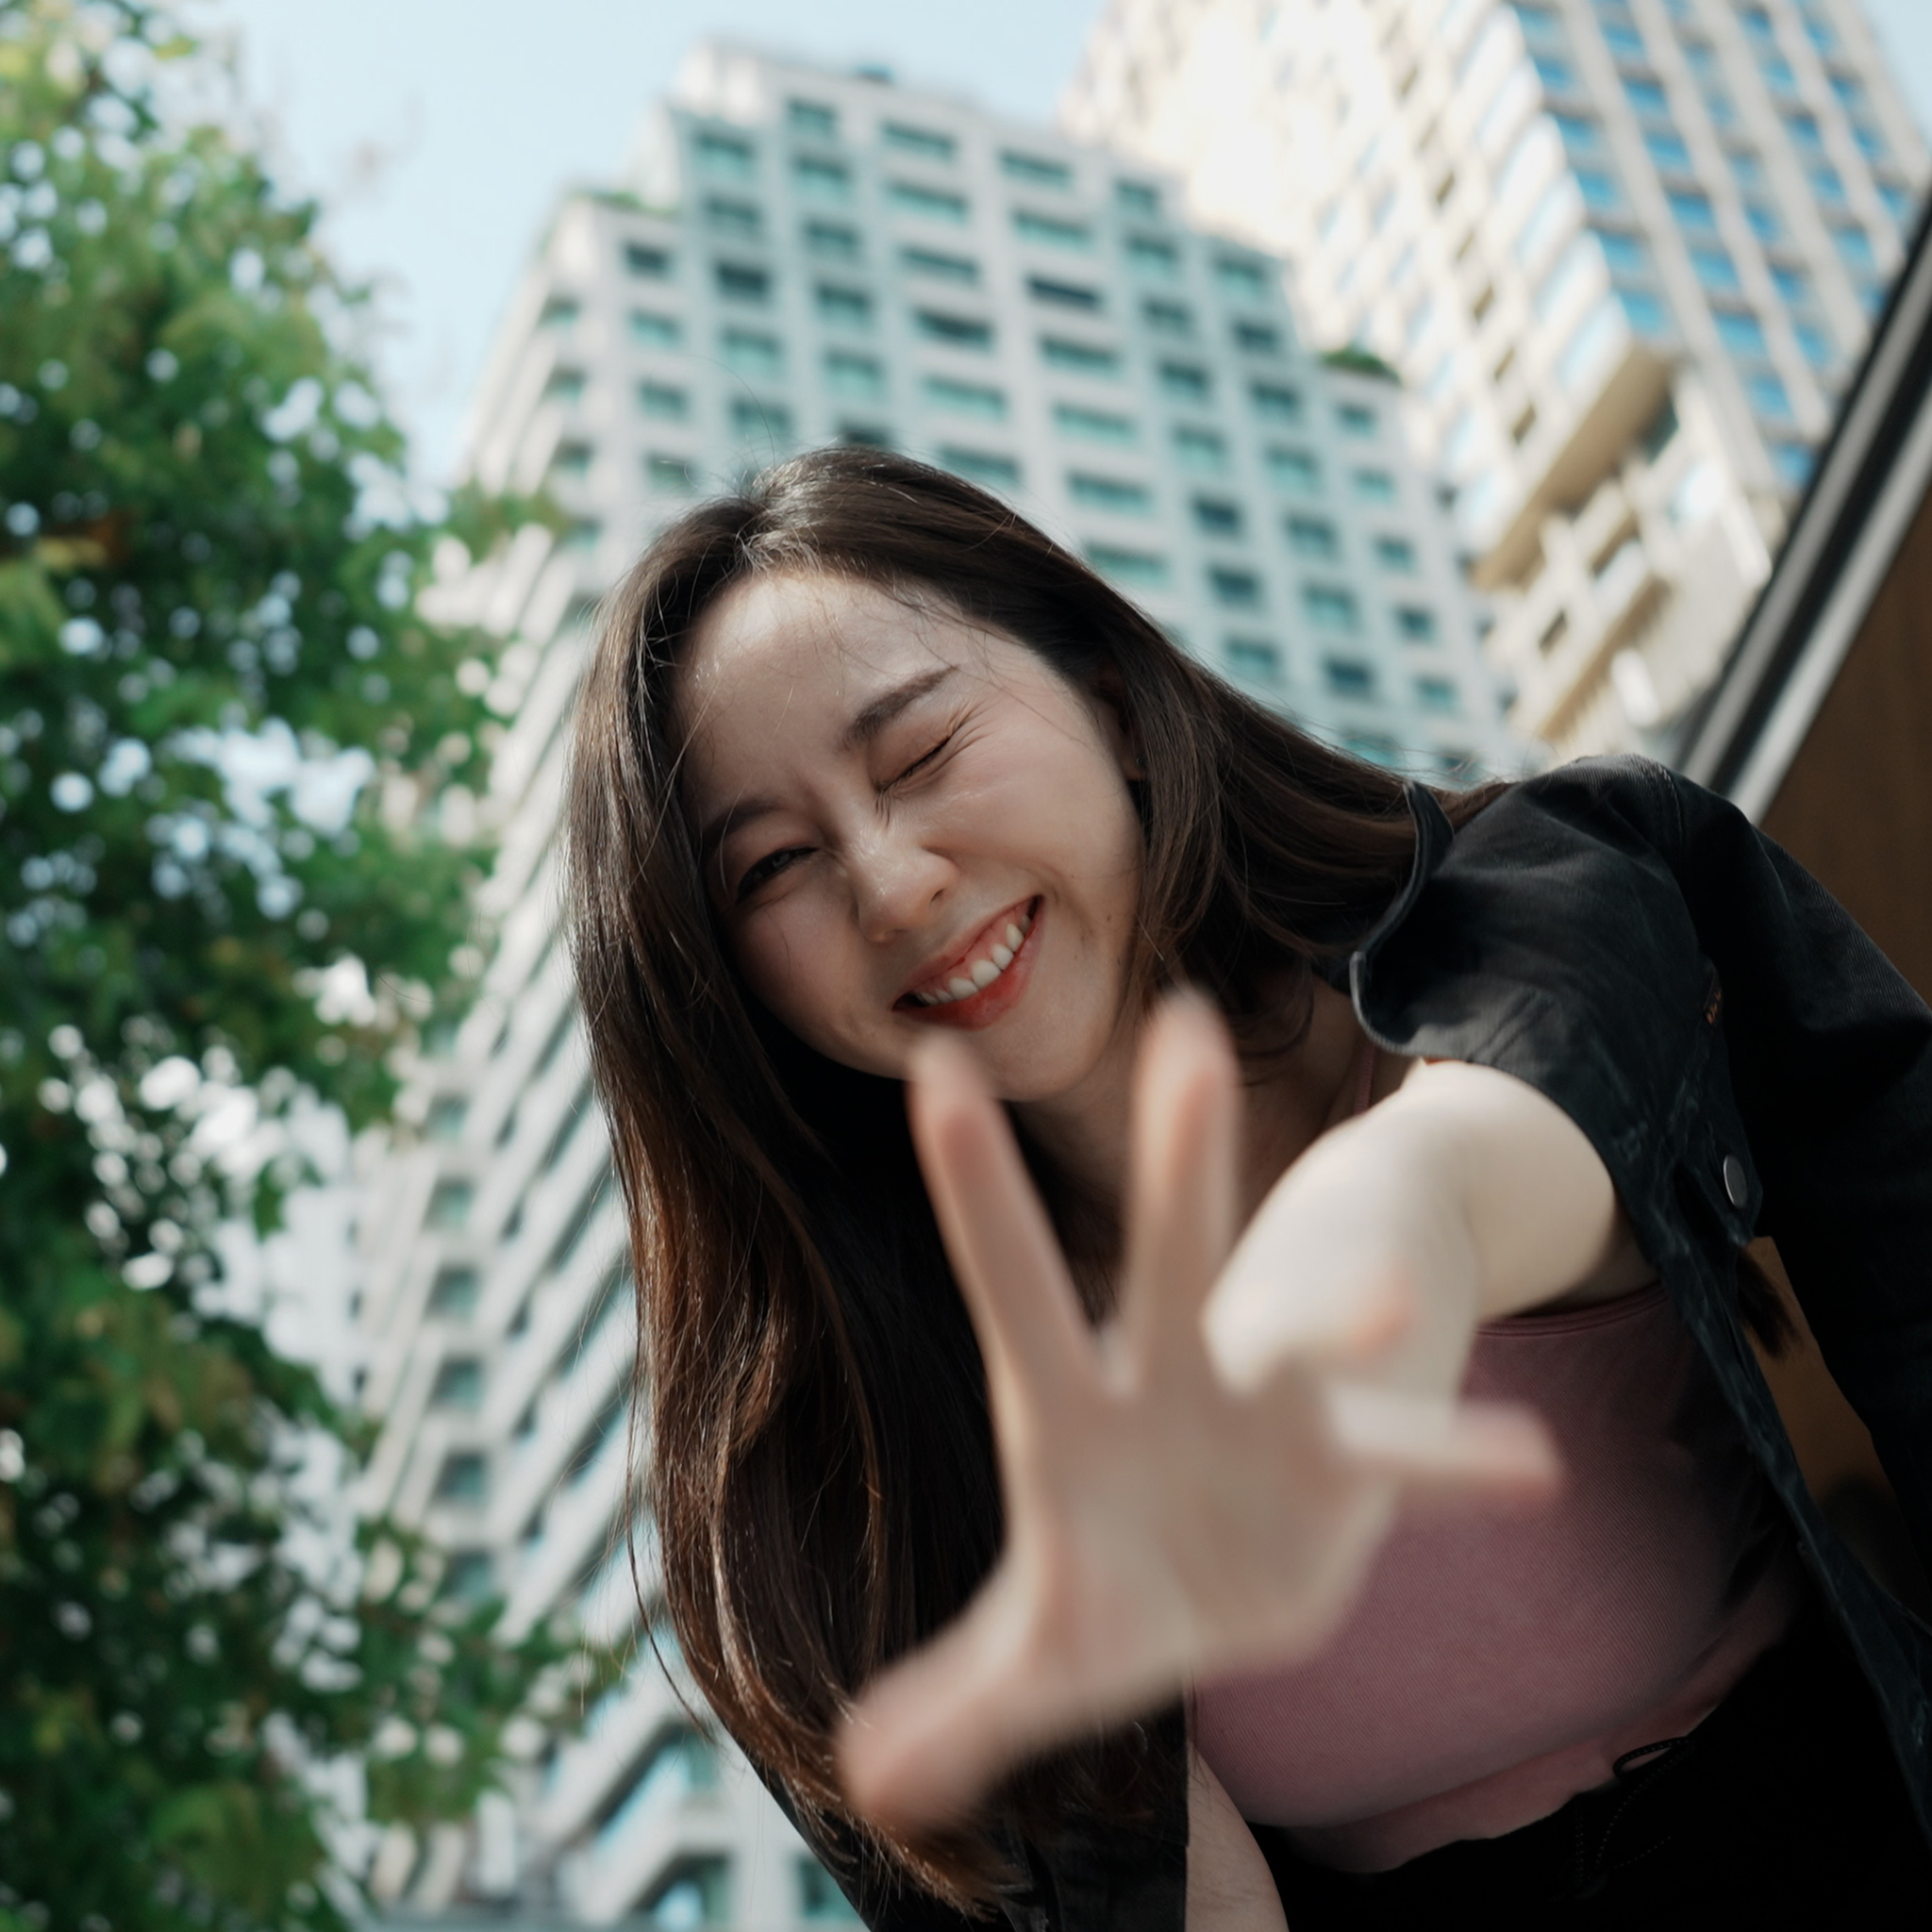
(1484, 384)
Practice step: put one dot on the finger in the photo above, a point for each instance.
(1181, 1203)
(1434, 1447)
(1253, 1327)
(1002, 1246)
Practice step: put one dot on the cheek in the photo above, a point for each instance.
(798, 964)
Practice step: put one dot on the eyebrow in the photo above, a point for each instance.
(866, 726)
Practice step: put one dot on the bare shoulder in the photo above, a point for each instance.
(1229, 1885)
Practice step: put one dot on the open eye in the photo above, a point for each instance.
(765, 870)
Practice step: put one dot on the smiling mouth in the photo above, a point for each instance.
(992, 952)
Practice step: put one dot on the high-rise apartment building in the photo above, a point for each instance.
(1623, 252)
(798, 257)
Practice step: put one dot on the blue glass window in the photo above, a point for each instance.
(1870, 144)
(1625, 42)
(1815, 344)
(1793, 462)
(1850, 90)
(1802, 128)
(1777, 73)
(1740, 332)
(1792, 284)
(1128, 566)
(1625, 253)
(1768, 396)
(1901, 204)
(1693, 211)
(1558, 76)
(1415, 625)
(1599, 190)
(1825, 183)
(1581, 133)
(1295, 469)
(1668, 151)
(1764, 221)
(1747, 164)
(1854, 247)
(1254, 659)
(1647, 314)
(1715, 269)
(1647, 97)
(1349, 677)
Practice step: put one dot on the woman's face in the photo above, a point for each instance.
(906, 822)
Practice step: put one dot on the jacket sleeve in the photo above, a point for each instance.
(1830, 1056)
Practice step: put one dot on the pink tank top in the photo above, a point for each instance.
(1497, 1663)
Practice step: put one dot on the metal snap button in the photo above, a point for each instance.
(1736, 1187)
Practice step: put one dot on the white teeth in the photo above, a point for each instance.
(1002, 957)
(984, 973)
(961, 988)
(1014, 936)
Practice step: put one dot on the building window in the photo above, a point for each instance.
(1802, 128)
(1375, 486)
(1438, 694)
(1826, 184)
(1815, 344)
(1240, 279)
(865, 436)
(1668, 151)
(1169, 318)
(926, 143)
(1768, 395)
(666, 404)
(753, 419)
(565, 386)
(929, 204)
(1062, 294)
(653, 264)
(981, 466)
(1050, 231)
(1764, 222)
(1136, 198)
(1093, 426)
(1201, 450)
(670, 475)
(853, 376)
(1086, 359)
(1715, 269)
(738, 219)
(449, 1205)
(469, 1578)
(1114, 493)
(846, 308)
(945, 268)
(1296, 470)
(1855, 248)
(723, 157)
(1414, 625)
(1139, 568)
(1312, 537)
(1237, 589)
(739, 282)
(965, 398)
(654, 331)
(812, 120)
(1329, 608)
(559, 312)
(1901, 204)
(1395, 554)
(1256, 339)
(464, 1477)
(1598, 186)
(957, 331)
(459, 1382)
(695, 1894)
(823, 179)
(1349, 677)
(1355, 419)
(1275, 404)
(832, 241)
(570, 460)
(1150, 256)
(1740, 332)
(1693, 211)
(1215, 517)
(1035, 169)
(1793, 462)
(748, 353)
(1254, 660)
(1182, 382)
(454, 1293)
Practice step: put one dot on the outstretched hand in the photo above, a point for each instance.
(1165, 1519)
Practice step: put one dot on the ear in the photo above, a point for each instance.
(1117, 721)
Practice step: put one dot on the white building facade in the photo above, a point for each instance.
(1623, 252)
(800, 258)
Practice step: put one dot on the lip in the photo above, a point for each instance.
(991, 1002)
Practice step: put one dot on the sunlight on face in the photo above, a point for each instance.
(909, 823)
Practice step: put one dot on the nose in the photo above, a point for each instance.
(898, 883)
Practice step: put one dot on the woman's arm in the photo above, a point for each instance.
(1464, 1196)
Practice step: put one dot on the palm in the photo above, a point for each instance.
(1160, 1525)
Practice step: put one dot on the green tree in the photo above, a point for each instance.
(227, 738)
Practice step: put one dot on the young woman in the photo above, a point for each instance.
(1295, 1447)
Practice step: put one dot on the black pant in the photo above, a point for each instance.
(1785, 1808)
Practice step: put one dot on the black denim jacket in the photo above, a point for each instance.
(1746, 1061)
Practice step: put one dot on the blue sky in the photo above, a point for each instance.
(437, 132)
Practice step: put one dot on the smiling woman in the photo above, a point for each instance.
(1097, 1159)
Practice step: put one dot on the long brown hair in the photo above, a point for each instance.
(820, 1463)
